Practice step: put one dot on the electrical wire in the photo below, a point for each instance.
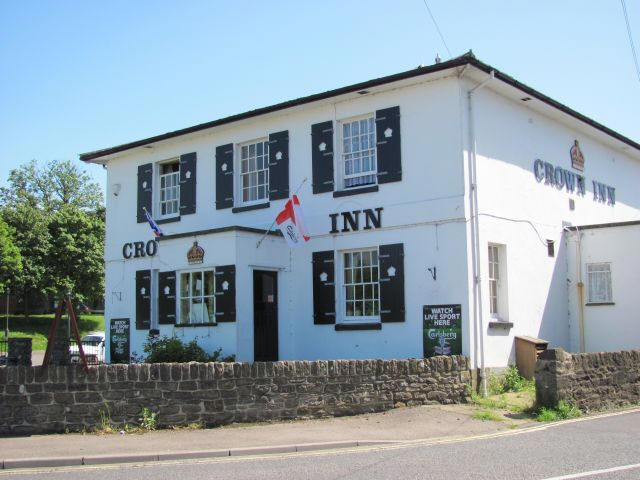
(437, 28)
(633, 48)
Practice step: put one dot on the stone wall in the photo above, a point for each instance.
(55, 399)
(592, 381)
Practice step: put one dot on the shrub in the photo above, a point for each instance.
(149, 419)
(562, 411)
(512, 381)
(174, 350)
(496, 385)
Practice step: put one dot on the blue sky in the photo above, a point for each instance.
(77, 76)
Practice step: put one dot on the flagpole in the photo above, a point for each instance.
(274, 220)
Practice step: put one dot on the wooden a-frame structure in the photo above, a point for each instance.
(64, 302)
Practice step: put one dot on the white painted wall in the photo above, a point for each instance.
(428, 211)
(614, 327)
(425, 212)
(521, 213)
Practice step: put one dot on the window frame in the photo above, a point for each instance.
(339, 149)
(502, 298)
(341, 296)
(591, 301)
(179, 296)
(240, 202)
(157, 214)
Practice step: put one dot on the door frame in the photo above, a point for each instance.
(274, 272)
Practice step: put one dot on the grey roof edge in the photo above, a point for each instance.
(604, 225)
(467, 58)
(212, 231)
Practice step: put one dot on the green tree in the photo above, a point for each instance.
(57, 214)
(10, 258)
(51, 187)
(30, 225)
(75, 263)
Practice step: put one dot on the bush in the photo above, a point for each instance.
(512, 381)
(563, 411)
(173, 350)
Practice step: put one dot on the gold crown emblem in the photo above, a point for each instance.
(195, 254)
(577, 158)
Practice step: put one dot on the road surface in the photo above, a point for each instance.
(605, 448)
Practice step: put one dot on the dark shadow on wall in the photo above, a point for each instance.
(554, 327)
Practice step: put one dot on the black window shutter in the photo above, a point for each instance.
(145, 184)
(324, 292)
(226, 293)
(188, 183)
(391, 261)
(322, 157)
(224, 176)
(143, 299)
(167, 297)
(388, 145)
(279, 165)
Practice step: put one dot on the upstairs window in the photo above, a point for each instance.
(359, 166)
(599, 282)
(169, 188)
(254, 171)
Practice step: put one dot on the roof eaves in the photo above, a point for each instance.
(456, 62)
(467, 58)
(578, 228)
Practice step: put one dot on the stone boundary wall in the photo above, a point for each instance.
(56, 399)
(592, 381)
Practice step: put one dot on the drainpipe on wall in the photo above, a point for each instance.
(580, 287)
(475, 239)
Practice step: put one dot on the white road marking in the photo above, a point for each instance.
(595, 472)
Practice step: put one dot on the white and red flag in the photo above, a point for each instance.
(291, 224)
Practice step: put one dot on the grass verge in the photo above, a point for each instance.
(563, 411)
(487, 415)
(37, 327)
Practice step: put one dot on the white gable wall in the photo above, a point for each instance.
(509, 137)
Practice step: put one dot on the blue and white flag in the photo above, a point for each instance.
(154, 226)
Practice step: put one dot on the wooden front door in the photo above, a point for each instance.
(265, 316)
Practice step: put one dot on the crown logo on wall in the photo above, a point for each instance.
(577, 158)
(195, 254)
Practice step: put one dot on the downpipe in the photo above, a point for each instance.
(475, 238)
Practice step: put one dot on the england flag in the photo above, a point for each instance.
(291, 225)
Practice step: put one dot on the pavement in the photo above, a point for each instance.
(393, 427)
(603, 447)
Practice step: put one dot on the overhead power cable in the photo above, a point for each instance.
(437, 28)
(633, 48)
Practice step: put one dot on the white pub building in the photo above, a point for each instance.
(437, 202)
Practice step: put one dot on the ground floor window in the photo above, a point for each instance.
(197, 297)
(361, 292)
(497, 256)
(599, 283)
